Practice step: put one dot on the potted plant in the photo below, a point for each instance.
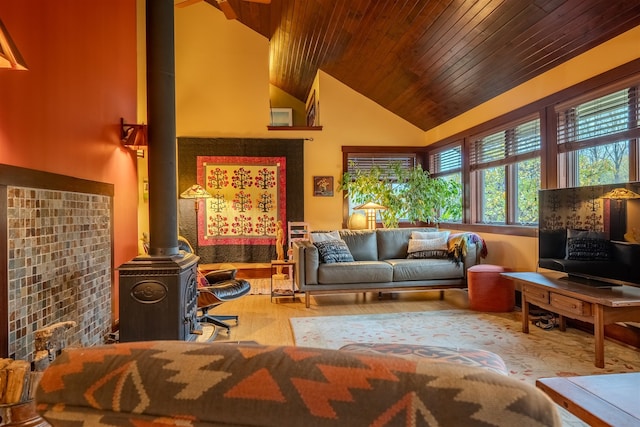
(407, 194)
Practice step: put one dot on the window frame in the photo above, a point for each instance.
(569, 145)
(551, 171)
(382, 152)
(436, 171)
(504, 149)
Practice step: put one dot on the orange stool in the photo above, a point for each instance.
(488, 290)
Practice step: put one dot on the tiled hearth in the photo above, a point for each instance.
(59, 265)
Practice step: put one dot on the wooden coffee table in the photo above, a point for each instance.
(599, 400)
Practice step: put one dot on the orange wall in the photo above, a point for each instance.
(62, 115)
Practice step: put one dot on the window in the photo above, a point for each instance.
(446, 164)
(383, 162)
(595, 138)
(505, 168)
(366, 161)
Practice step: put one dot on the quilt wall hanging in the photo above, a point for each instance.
(248, 198)
(253, 183)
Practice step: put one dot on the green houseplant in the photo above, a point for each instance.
(407, 194)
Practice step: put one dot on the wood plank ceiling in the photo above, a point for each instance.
(429, 60)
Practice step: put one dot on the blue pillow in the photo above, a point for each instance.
(332, 251)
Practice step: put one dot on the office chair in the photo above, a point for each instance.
(214, 288)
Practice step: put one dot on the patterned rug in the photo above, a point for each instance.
(541, 353)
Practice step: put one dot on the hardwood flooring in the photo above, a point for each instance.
(267, 322)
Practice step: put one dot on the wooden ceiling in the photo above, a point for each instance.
(428, 60)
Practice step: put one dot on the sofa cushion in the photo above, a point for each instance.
(362, 244)
(355, 272)
(394, 242)
(323, 236)
(437, 253)
(428, 245)
(333, 251)
(429, 235)
(425, 269)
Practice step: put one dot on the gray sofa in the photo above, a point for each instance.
(381, 264)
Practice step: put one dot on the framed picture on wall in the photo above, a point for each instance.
(311, 110)
(323, 186)
(282, 117)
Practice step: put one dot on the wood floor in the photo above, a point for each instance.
(267, 322)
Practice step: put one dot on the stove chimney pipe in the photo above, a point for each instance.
(163, 191)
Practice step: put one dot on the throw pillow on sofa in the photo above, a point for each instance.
(428, 244)
(332, 251)
(428, 235)
(322, 236)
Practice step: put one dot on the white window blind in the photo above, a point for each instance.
(510, 145)
(447, 160)
(364, 162)
(610, 118)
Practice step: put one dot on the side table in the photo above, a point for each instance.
(277, 265)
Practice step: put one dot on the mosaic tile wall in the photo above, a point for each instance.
(59, 265)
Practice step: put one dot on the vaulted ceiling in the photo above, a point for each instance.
(428, 60)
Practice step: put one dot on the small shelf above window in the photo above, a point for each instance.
(294, 127)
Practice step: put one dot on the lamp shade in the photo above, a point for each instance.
(370, 205)
(621, 193)
(370, 209)
(196, 191)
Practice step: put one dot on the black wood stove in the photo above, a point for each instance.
(158, 298)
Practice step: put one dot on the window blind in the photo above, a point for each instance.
(610, 118)
(365, 162)
(447, 160)
(510, 145)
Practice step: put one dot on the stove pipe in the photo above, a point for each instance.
(158, 291)
(163, 202)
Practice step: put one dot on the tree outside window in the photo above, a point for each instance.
(506, 165)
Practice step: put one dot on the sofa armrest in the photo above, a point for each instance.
(216, 384)
(307, 260)
(473, 256)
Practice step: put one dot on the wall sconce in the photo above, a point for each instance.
(134, 137)
(370, 210)
(9, 55)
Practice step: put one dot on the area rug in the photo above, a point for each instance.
(541, 353)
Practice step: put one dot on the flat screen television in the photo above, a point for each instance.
(591, 233)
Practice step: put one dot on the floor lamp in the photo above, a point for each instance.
(196, 192)
(370, 212)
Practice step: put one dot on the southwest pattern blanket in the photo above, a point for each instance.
(173, 383)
